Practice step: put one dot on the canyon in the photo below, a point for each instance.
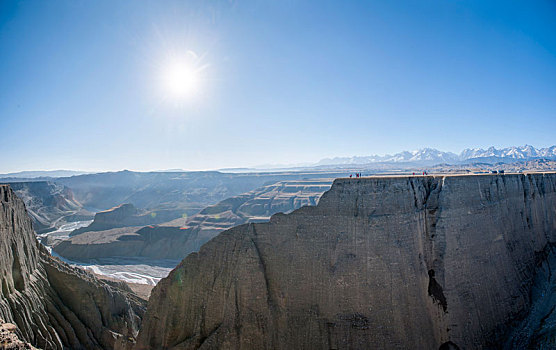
(383, 262)
(49, 204)
(176, 192)
(179, 237)
(441, 261)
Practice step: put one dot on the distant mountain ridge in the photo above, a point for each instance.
(434, 156)
(43, 174)
(520, 152)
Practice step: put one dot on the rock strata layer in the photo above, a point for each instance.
(54, 305)
(441, 262)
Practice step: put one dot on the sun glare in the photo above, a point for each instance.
(181, 77)
(181, 80)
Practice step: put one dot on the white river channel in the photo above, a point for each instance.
(128, 269)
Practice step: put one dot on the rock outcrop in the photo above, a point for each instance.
(125, 215)
(9, 340)
(54, 305)
(441, 262)
(177, 238)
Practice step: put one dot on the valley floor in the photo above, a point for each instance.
(140, 274)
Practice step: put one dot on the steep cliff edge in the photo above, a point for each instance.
(53, 305)
(383, 262)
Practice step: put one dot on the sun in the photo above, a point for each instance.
(181, 77)
(180, 80)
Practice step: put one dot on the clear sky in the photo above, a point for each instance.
(88, 85)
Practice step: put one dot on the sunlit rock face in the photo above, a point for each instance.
(53, 305)
(387, 262)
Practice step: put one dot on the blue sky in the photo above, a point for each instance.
(282, 81)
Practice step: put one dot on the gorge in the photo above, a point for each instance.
(444, 261)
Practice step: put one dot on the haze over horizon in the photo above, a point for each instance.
(420, 157)
(210, 85)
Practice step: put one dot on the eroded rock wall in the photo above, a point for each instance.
(54, 305)
(384, 262)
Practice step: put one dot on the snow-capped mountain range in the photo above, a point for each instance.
(434, 156)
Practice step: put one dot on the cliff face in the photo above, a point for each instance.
(385, 262)
(53, 305)
(538, 329)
